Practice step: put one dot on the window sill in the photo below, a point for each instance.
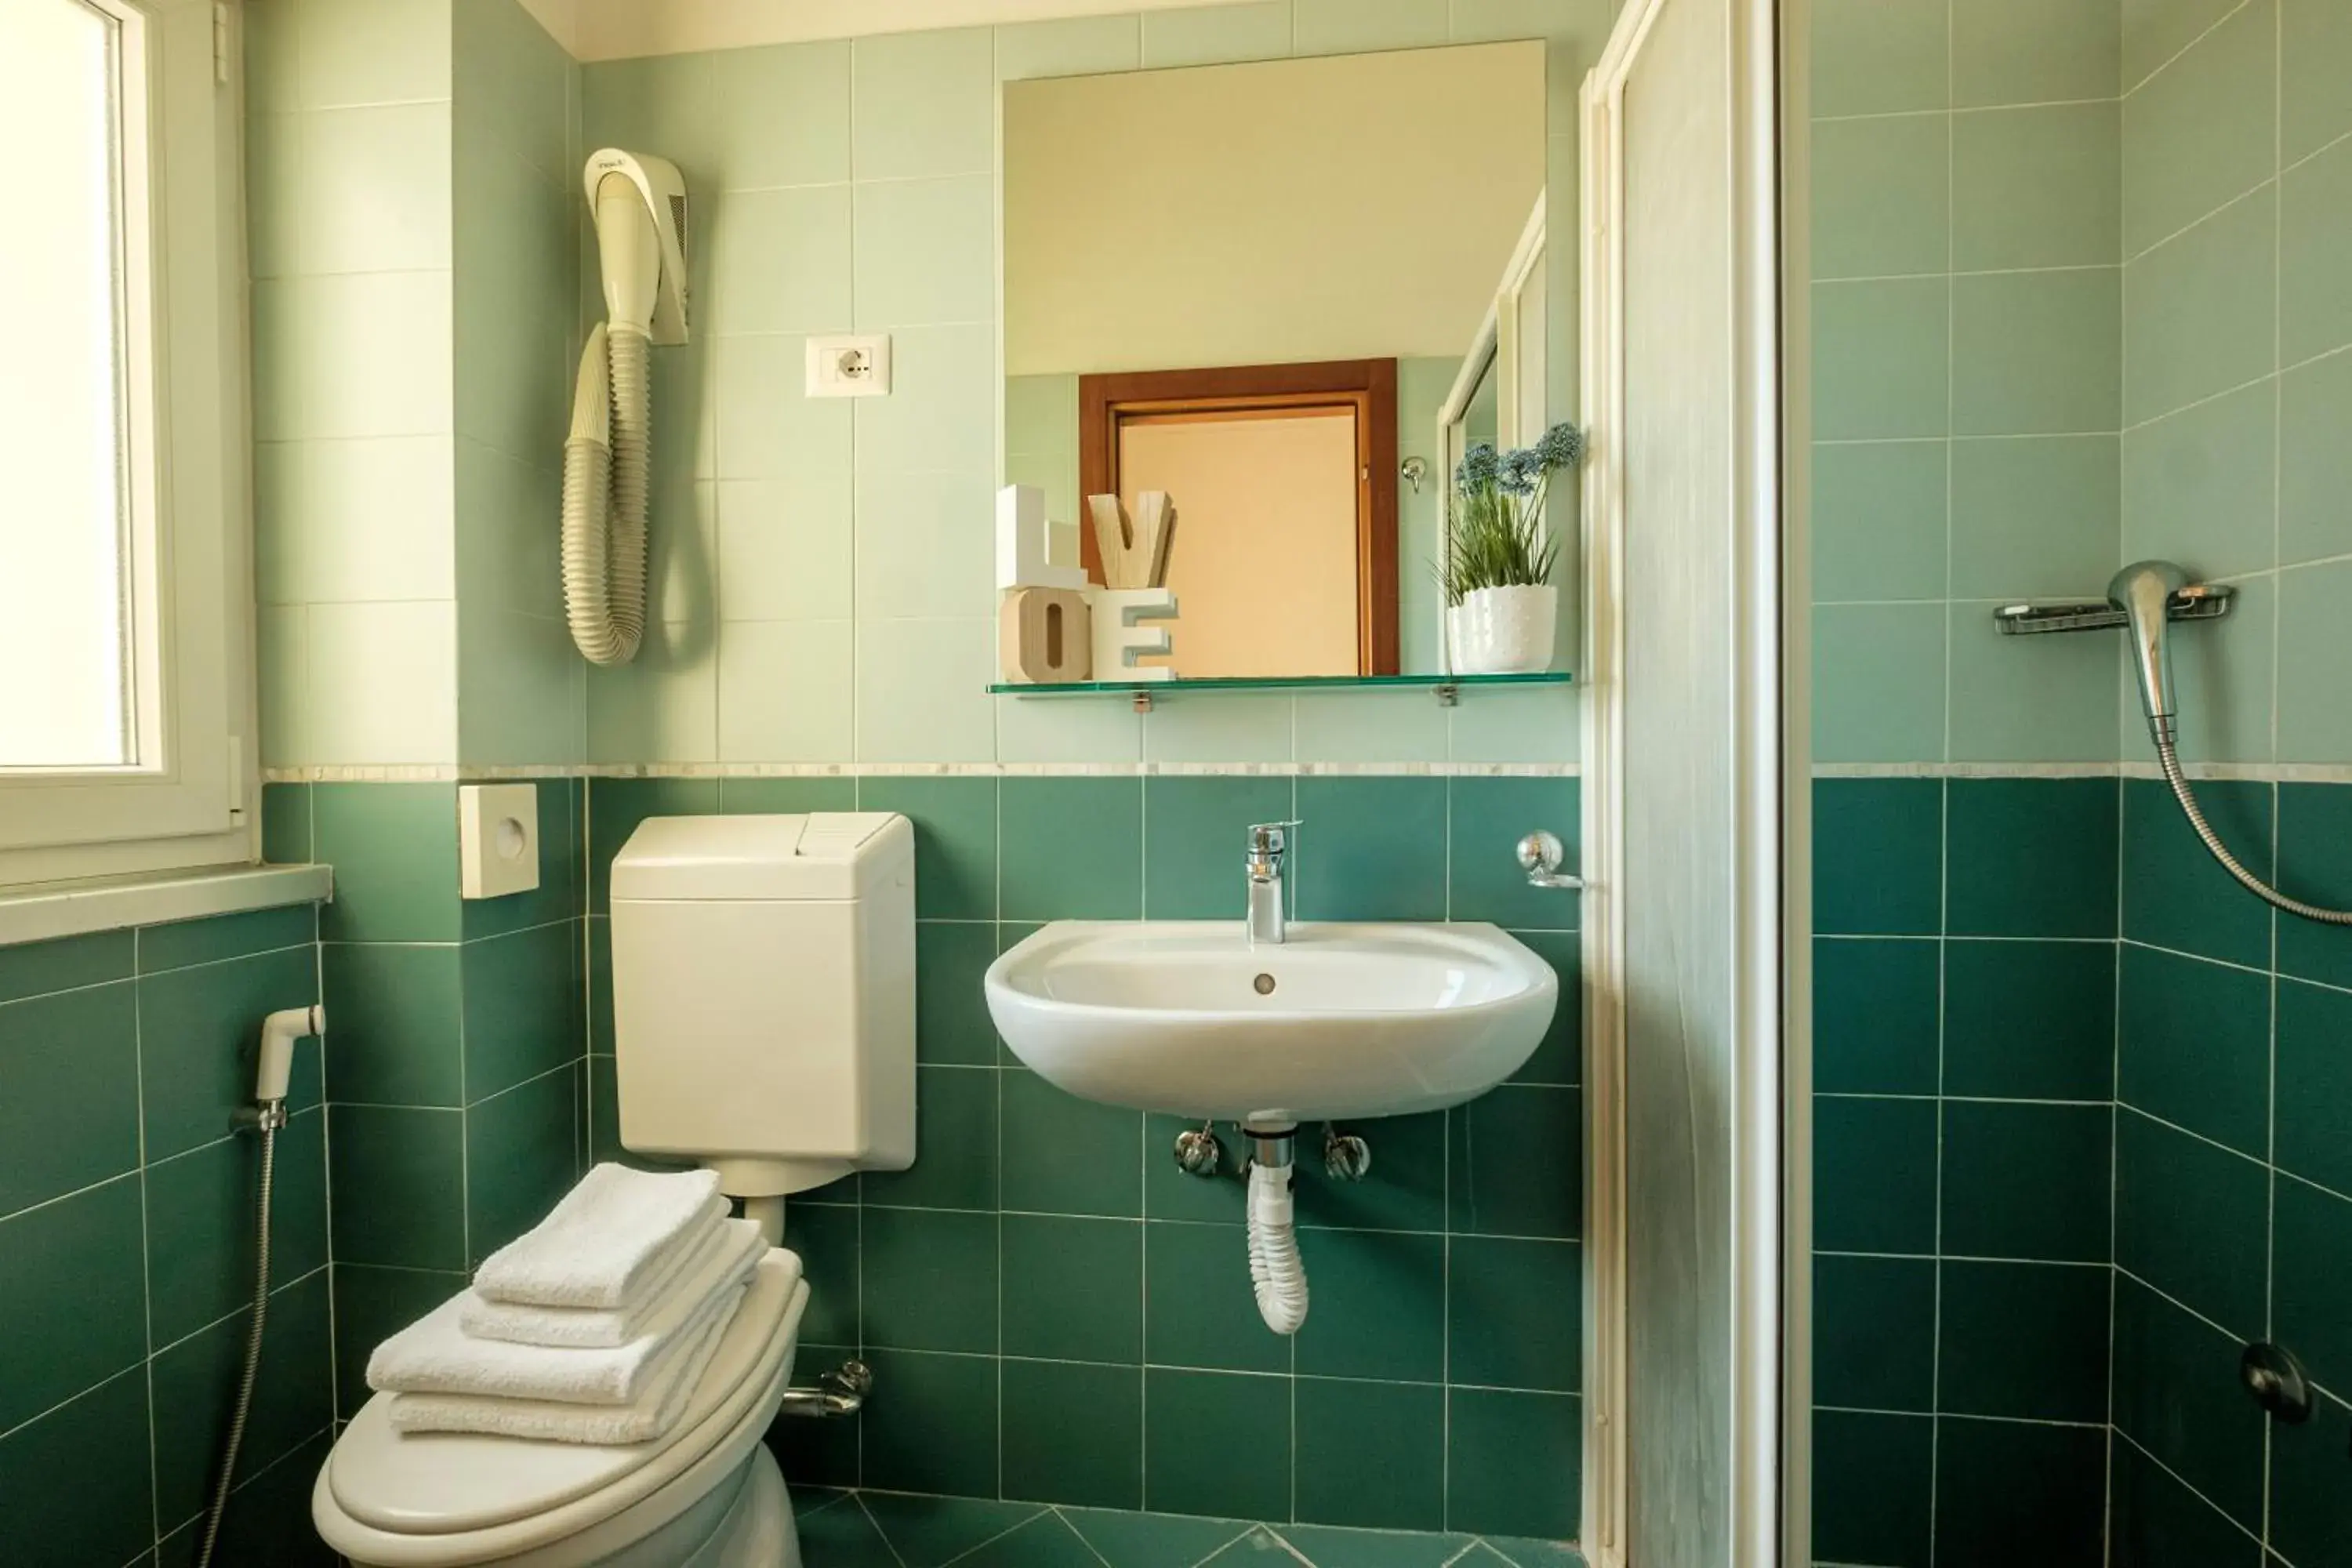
(110, 903)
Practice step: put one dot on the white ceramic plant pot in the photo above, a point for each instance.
(1503, 631)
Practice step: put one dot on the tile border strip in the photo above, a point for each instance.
(2252, 773)
(428, 773)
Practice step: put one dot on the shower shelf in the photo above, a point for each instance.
(2197, 602)
(1447, 689)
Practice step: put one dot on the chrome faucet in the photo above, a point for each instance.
(1267, 843)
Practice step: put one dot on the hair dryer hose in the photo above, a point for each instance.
(2168, 756)
(605, 495)
(244, 1407)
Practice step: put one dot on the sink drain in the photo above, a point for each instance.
(1262, 985)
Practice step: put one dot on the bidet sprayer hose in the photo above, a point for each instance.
(2167, 754)
(607, 475)
(267, 1124)
(1275, 1269)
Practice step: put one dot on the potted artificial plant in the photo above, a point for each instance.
(1500, 604)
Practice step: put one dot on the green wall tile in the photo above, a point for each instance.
(2034, 516)
(218, 938)
(1073, 848)
(2200, 132)
(371, 1306)
(522, 1006)
(2225, 703)
(1559, 1057)
(2029, 1020)
(1046, 1541)
(2159, 1522)
(286, 824)
(1881, 197)
(66, 963)
(951, 1021)
(2155, 31)
(955, 840)
(1193, 852)
(1874, 1176)
(1370, 1453)
(2026, 1181)
(1992, 1474)
(1370, 849)
(955, 1146)
(1193, 1464)
(786, 797)
(1076, 46)
(269, 1522)
(2179, 1399)
(77, 1049)
(1389, 1549)
(615, 806)
(2037, 354)
(1506, 1453)
(1874, 1332)
(1873, 1487)
(61, 1342)
(1218, 1199)
(1066, 1155)
(394, 851)
(2311, 1513)
(825, 1238)
(2035, 51)
(930, 1281)
(2025, 1340)
(2312, 1304)
(2174, 895)
(922, 103)
(1515, 1317)
(1349, 26)
(2194, 1046)
(2037, 187)
(196, 1380)
(2014, 701)
(2192, 1220)
(200, 1212)
(1150, 1539)
(1890, 879)
(1379, 1306)
(199, 1034)
(1879, 514)
(1880, 57)
(1515, 1158)
(2314, 464)
(1208, 35)
(2032, 857)
(399, 1186)
(77, 1480)
(2199, 308)
(1073, 1289)
(2317, 855)
(1486, 817)
(523, 1154)
(2315, 719)
(1878, 683)
(938, 1432)
(1074, 1433)
(2315, 62)
(395, 1021)
(2314, 1130)
(1405, 1189)
(1199, 1310)
(2198, 484)
(1875, 1016)
(1881, 359)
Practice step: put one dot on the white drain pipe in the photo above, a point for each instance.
(1275, 1267)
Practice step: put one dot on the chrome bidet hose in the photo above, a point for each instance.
(2167, 755)
(267, 1122)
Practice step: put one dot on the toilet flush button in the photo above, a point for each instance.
(497, 839)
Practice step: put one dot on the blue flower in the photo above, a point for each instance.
(1477, 470)
(1562, 447)
(1520, 470)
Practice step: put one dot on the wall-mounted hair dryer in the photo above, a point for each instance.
(641, 241)
(2149, 594)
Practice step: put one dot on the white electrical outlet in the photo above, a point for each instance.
(855, 365)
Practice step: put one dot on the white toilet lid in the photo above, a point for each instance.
(436, 1483)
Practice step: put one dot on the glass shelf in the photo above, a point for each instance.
(1447, 689)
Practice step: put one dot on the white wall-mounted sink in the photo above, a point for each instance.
(1337, 1023)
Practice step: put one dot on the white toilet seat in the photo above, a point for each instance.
(392, 1499)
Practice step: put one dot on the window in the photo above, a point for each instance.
(125, 669)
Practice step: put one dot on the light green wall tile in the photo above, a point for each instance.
(667, 101)
(1207, 35)
(941, 410)
(2315, 64)
(2199, 315)
(1076, 46)
(1507, 726)
(2200, 132)
(2198, 486)
(1045, 730)
(2224, 673)
(779, 115)
(1879, 515)
(1880, 57)
(1217, 729)
(926, 542)
(2036, 187)
(2044, 699)
(508, 557)
(784, 693)
(2033, 517)
(1582, 25)
(272, 209)
(2154, 31)
(780, 260)
(372, 189)
(2316, 255)
(371, 51)
(282, 661)
(1041, 414)
(271, 42)
(2033, 51)
(1370, 726)
(1880, 359)
(2036, 353)
(784, 545)
(513, 84)
(1346, 26)
(2316, 460)
(357, 520)
(358, 355)
(925, 251)
(921, 690)
(923, 104)
(1881, 196)
(682, 555)
(765, 427)
(383, 682)
(2315, 719)
(1878, 683)
(663, 706)
(520, 690)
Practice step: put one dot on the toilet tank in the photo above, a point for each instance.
(763, 996)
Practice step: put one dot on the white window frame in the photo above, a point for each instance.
(191, 799)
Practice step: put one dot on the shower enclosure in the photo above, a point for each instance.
(2069, 286)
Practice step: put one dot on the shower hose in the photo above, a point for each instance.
(2167, 755)
(252, 1351)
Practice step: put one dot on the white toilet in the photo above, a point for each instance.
(763, 990)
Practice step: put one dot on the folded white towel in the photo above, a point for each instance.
(658, 1407)
(730, 1250)
(612, 1240)
(435, 1355)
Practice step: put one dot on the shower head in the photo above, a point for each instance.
(2143, 591)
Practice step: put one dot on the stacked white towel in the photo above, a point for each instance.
(593, 1327)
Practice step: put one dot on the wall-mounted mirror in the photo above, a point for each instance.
(1285, 295)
